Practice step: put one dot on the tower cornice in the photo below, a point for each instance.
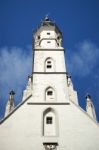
(49, 49)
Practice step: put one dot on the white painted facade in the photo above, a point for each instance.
(49, 116)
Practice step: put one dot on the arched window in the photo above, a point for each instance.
(49, 94)
(49, 122)
(49, 65)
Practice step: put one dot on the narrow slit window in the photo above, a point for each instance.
(48, 41)
(49, 62)
(49, 120)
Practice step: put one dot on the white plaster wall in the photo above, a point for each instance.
(47, 34)
(79, 131)
(46, 40)
(23, 129)
(44, 34)
(48, 43)
(57, 81)
(41, 56)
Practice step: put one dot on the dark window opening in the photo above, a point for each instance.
(49, 66)
(48, 33)
(58, 37)
(50, 146)
(49, 92)
(49, 62)
(38, 36)
(48, 41)
(49, 120)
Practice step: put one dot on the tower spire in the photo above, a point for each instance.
(72, 93)
(10, 103)
(28, 91)
(90, 107)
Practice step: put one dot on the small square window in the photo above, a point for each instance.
(49, 120)
(48, 33)
(49, 92)
(49, 66)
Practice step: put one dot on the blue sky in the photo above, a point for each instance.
(79, 23)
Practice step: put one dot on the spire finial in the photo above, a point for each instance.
(10, 103)
(11, 95)
(47, 17)
(11, 92)
(68, 75)
(90, 107)
(88, 96)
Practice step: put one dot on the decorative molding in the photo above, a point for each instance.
(49, 73)
(49, 50)
(50, 146)
(50, 103)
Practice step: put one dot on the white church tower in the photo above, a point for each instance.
(49, 116)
